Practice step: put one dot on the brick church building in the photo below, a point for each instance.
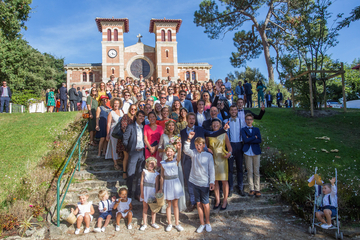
(120, 61)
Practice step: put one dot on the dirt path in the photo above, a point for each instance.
(277, 226)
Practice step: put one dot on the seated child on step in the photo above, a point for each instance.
(105, 208)
(329, 204)
(84, 212)
(124, 207)
(170, 184)
(149, 185)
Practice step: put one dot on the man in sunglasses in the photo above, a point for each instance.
(185, 103)
(142, 89)
(5, 97)
(171, 98)
(191, 93)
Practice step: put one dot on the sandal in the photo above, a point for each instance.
(117, 167)
(257, 194)
(251, 193)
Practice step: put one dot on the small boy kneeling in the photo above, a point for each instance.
(202, 176)
(329, 203)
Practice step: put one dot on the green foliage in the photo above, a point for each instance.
(23, 97)
(354, 16)
(13, 15)
(25, 68)
(8, 222)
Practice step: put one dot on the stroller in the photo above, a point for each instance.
(317, 207)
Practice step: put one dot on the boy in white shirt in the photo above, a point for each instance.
(329, 204)
(202, 176)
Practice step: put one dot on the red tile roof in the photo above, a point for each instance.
(356, 67)
(153, 21)
(125, 20)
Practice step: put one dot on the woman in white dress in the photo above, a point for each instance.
(113, 119)
(171, 130)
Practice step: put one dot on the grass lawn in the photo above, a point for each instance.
(24, 139)
(294, 136)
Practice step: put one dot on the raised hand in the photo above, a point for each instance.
(226, 126)
(263, 106)
(332, 181)
(113, 199)
(191, 135)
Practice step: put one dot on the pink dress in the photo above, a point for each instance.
(153, 136)
(207, 106)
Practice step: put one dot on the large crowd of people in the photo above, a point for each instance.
(192, 133)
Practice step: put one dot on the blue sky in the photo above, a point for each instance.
(67, 29)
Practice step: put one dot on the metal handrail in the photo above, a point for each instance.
(62, 173)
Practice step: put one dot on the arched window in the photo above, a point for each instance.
(115, 35)
(169, 36)
(91, 77)
(109, 34)
(167, 53)
(84, 77)
(112, 71)
(187, 75)
(167, 70)
(193, 75)
(163, 35)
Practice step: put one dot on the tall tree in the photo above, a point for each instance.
(235, 14)
(354, 16)
(13, 15)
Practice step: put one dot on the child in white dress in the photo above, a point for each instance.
(170, 184)
(124, 207)
(105, 208)
(149, 185)
(84, 212)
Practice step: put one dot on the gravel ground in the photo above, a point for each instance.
(276, 226)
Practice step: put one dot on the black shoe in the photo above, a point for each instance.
(230, 193)
(242, 193)
(216, 207)
(222, 209)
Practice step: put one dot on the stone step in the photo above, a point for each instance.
(72, 194)
(100, 175)
(238, 209)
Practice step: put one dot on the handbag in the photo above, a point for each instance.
(87, 115)
(117, 131)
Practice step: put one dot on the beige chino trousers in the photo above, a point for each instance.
(253, 171)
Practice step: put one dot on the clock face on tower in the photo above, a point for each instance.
(112, 53)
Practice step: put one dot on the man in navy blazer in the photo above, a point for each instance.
(133, 140)
(248, 93)
(185, 103)
(190, 96)
(186, 160)
(63, 97)
(201, 115)
(213, 114)
(252, 138)
(171, 98)
(5, 97)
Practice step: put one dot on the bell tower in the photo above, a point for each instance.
(166, 46)
(112, 43)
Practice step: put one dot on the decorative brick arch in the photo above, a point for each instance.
(108, 30)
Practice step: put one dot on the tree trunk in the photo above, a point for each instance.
(269, 63)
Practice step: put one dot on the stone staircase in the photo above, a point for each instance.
(97, 174)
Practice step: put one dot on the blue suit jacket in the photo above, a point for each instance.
(63, 93)
(248, 90)
(130, 138)
(239, 90)
(9, 91)
(249, 139)
(188, 105)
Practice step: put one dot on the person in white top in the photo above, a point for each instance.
(84, 212)
(113, 118)
(329, 204)
(126, 102)
(124, 207)
(105, 208)
(83, 99)
(148, 185)
(227, 84)
(202, 176)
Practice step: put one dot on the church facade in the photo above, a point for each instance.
(131, 61)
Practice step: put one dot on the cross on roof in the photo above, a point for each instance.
(139, 37)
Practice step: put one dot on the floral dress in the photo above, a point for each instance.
(51, 99)
(125, 121)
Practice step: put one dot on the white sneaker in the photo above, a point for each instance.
(326, 226)
(179, 228)
(200, 229)
(154, 225)
(129, 227)
(208, 227)
(97, 230)
(168, 228)
(103, 229)
(87, 230)
(143, 227)
(77, 231)
(117, 228)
